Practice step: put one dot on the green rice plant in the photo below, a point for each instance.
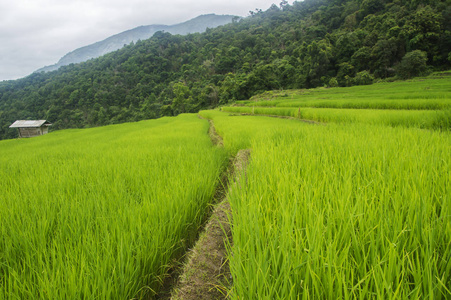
(239, 136)
(406, 104)
(102, 213)
(418, 94)
(422, 119)
(443, 120)
(342, 211)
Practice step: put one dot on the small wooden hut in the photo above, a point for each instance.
(31, 128)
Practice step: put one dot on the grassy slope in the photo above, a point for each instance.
(102, 213)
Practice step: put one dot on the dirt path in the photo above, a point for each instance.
(216, 139)
(279, 117)
(206, 274)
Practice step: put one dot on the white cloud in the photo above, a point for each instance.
(35, 33)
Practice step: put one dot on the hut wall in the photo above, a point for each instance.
(29, 132)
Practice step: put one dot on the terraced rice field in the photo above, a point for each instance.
(103, 213)
(339, 211)
(355, 204)
(422, 103)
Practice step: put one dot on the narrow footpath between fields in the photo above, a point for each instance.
(279, 117)
(206, 273)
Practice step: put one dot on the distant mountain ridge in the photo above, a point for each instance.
(117, 41)
(312, 43)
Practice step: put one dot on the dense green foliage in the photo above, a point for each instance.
(341, 211)
(102, 213)
(308, 44)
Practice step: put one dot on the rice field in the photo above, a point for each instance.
(357, 206)
(422, 103)
(103, 213)
(430, 93)
(343, 211)
(426, 119)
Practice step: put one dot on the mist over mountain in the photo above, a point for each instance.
(117, 41)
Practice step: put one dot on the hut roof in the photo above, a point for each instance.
(29, 123)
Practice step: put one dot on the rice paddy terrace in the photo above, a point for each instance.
(421, 102)
(355, 203)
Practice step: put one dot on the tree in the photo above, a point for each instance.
(383, 56)
(283, 4)
(333, 82)
(363, 78)
(371, 6)
(413, 64)
(230, 88)
(361, 58)
(345, 73)
(424, 30)
(346, 46)
(183, 98)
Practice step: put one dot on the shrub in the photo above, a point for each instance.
(363, 78)
(413, 64)
(333, 82)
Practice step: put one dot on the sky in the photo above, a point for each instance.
(37, 33)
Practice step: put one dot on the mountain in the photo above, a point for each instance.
(311, 43)
(115, 42)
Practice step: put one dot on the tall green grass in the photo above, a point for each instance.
(428, 119)
(340, 211)
(102, 213)
(422, 103)
(418, 94)
(358, 103)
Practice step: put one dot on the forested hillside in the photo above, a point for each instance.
(307, 44)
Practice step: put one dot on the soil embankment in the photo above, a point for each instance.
(206, 274)
(280, 117)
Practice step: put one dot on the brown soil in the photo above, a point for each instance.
(216, 139)
(206, 274)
